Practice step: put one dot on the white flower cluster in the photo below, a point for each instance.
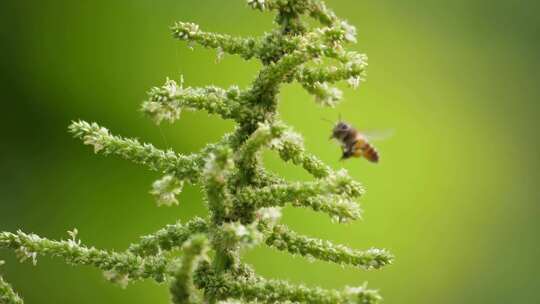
(355, 290)
(97, 138)
(166, 189)
(185, 30)
(257, 4)
(340, 180)
(354, 82)
(219, 54)
(24, 253)
(159, 108)
(362, 293)
(217, 166)
(326, 95)
(73, 242)
(288, 137)
(269, 215)
(337, 34)
(236, 233)
(116, 277)
(376, 263)
(349, 32)
(356, 61)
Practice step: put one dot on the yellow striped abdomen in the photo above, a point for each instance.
(365, 149)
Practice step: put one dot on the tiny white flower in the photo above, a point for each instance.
(166, 189)
(73, 242)
(326, 95)
(121, 279)
(219, 54)
(24, 254)
(354, 82)
(257, 4)
(171, 87)
(271, 214)
(73, 233)
(350, 32)
(240, 230)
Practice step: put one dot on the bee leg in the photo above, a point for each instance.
(343, 156)
(346, 154)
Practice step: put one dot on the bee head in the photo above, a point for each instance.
(340, 130)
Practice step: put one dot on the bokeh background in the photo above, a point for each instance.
(455, 197)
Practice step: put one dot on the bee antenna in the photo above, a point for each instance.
(327, 120)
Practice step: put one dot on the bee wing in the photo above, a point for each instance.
(378, 135)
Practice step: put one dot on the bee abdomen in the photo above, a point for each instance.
(371, 154)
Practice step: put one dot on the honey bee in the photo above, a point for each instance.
(354, 143)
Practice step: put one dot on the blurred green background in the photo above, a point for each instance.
(455, 197)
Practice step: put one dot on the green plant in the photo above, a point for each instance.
(243, 198)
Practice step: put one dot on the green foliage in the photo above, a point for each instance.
(243, 198)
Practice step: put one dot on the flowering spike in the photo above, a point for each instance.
(168, 101)
(182, 289)
(168, 238)
(216, 174)
(116, 265)
(223, 286)
(311, 75)
(332, 195)
(245, 47)
(283, 239)
(201, 258)
(293, 150)
(130, 149)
